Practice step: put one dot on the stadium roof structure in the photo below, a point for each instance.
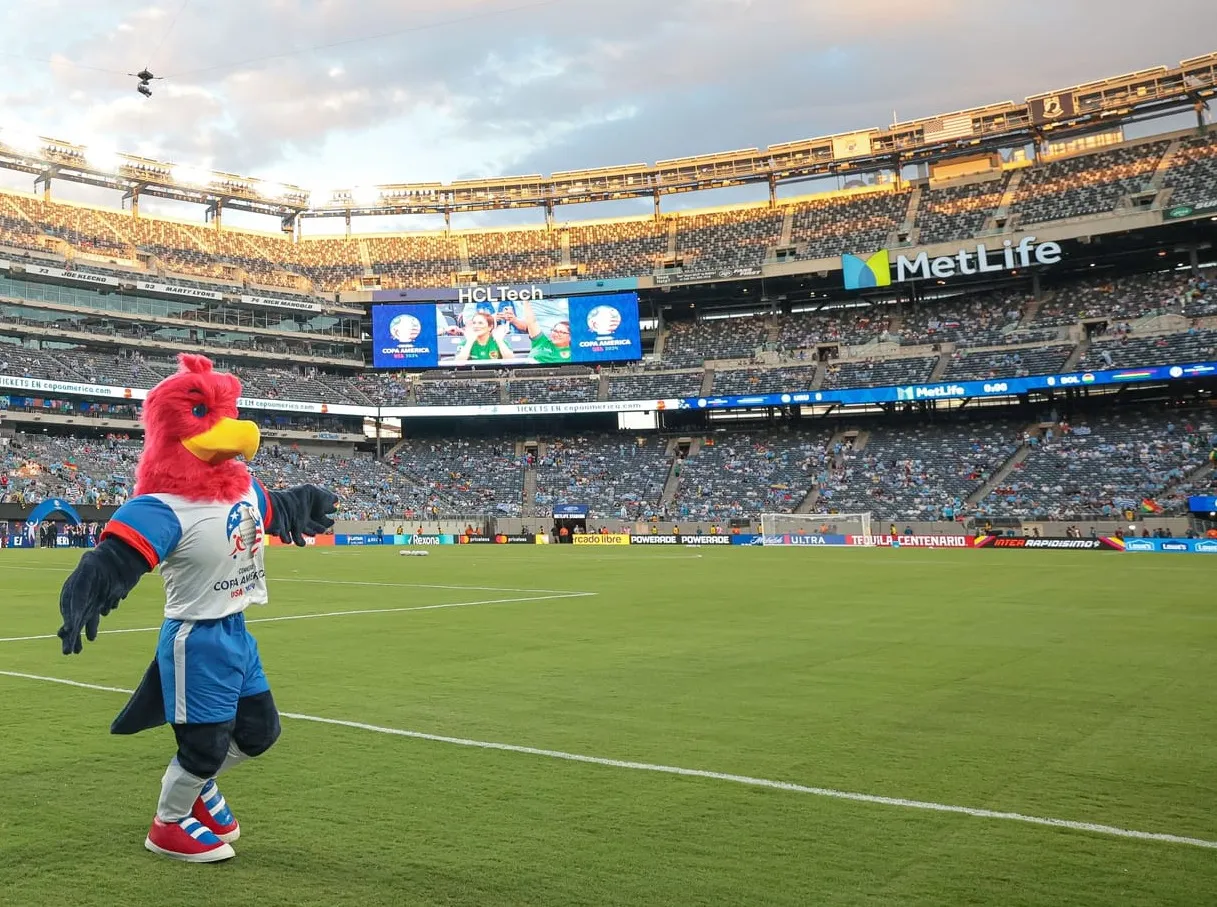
(1098, 105)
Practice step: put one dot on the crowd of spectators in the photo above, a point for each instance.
(851, 327)
(617, 477)
(879, 372)
(1105, 466)
(915, 471)
(745, 475)
(1016, 363)
(984, 320)
(691, 343)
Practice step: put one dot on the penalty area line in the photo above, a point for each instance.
(286, 617)
(789, 787)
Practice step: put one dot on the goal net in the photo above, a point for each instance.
(787, 528)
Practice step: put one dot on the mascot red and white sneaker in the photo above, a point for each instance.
(188, 841)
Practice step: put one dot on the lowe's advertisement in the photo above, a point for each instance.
(500, 326)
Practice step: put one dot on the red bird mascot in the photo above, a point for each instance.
(198, 515)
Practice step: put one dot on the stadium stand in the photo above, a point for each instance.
(746, 474)
(854, 327)
(1129, 352)
(1086, 184)
(734, 238)
(879, 373)
(847, 223)
(1193, 171)
(978, 366)
(469, 475)
(915, 472)
(520, 256)
(654, 386)
(625, 248)
(743, 382)
(617, 477)
(1104, 466)
(693, 342)
(1122, 298)
(985, 320)
(958, 212)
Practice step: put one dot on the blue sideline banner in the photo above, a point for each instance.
(804, 541)
(1171, 546)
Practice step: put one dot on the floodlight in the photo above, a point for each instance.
(100, 157)
(365, 196)
(191, 176)
(22, 142)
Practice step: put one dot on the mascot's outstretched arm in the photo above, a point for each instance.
(300, 511)
(100, 581)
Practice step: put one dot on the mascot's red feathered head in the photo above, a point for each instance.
(192, 436)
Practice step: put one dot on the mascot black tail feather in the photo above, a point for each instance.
(145, 709)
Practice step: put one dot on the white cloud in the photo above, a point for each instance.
(560, 87)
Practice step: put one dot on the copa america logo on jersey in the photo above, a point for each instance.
(405, 328)
(603, 319)
(244, 530)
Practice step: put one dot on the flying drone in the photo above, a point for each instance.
(145, 79)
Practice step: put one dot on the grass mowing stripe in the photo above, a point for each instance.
(270, 620)
(1090, 827)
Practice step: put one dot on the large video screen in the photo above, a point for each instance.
(507, 332)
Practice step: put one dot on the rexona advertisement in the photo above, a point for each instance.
(875, 269)
(496, 326)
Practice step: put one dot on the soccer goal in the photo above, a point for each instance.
(785, 528)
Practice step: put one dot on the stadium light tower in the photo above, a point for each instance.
(21, 142)
(365, 196)
(103, 158)
(191, 176)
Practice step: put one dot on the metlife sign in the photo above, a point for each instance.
(876, 269)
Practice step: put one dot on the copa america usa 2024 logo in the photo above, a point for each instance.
(603, 319)
(405, 328)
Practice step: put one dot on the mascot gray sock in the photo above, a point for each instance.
(179, 790)
(234, 757)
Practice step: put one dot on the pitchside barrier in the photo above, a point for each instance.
(798, 540)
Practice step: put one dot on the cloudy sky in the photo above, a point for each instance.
(337, 93)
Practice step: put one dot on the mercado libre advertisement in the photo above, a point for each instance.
(507, 328)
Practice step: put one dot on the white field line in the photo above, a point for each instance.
(65, 570)
(901, 802)
(277, 619)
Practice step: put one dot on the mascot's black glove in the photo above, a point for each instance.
(100, 581)
(300, 511)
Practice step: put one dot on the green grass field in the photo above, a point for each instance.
(1063, 685)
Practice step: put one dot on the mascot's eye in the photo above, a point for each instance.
(199, 410)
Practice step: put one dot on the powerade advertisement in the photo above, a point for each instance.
(504, 326)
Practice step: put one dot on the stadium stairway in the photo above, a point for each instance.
(1164, 165)
(787, 227)
(1033, 309)
(1008, 466)
(1076, 355)
(943, 363)
(707, 382)
(528, 506)
(909, 228)
(602, 388)
(1002, 212)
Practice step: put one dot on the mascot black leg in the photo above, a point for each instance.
(201, 751)
(255, 731)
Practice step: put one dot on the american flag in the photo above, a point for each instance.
(952, 127)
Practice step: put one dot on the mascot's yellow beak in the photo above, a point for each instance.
(225, 440)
